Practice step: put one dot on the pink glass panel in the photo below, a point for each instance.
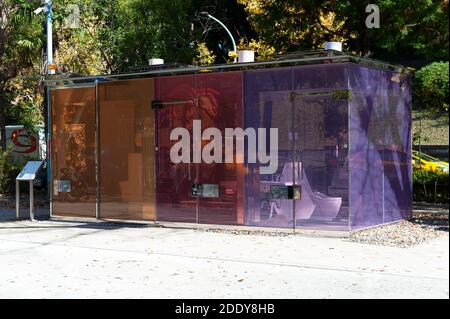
(174, 200)
(220, 106)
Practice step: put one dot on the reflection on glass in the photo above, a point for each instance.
(73, 152)
(267, 105)
(174, 182)
(380, 152)
(220, 106)
(311, 119)
(126, 150)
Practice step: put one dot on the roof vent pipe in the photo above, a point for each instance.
(336, 46)
(155, 61)
(246, 56)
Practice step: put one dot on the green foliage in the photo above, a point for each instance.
(21, 42)
(430, 186)
(76, 40)
(21, 35)
(204, 56)
(8, 172)
(136, 31)
(24, 103)
(431, 87)
(263, 51)
(420, 29)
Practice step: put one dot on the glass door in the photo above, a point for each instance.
(220, 108)
(73, 145)
(126, 154)
(175, 107)
(321, 161)
(268, 110)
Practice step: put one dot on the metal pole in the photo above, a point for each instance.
(49, 150)
(17, 199)
(97, 152)
(49, 36)
(294, 161)
(226, 29)
(31, 201)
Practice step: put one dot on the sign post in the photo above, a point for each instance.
(28, 174)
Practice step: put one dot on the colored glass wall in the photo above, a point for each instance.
(342, 157)
(126, 148)
(220, 106)
(309, 188)
(267, 105)
(176, 98)
(380, 147)
(73, 184)
(215, 100)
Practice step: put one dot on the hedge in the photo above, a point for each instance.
(430, 186)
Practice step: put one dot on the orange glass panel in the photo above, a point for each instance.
(126, 150)
(73, 152)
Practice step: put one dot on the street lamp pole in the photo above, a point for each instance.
(48, 9)
(49, 20)
(226, 29)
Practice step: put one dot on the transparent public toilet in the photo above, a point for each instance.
(341, 148)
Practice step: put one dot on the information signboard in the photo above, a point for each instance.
(30, 170)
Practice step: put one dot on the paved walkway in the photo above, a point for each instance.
(55, 259)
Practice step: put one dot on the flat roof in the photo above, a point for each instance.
(283, 60)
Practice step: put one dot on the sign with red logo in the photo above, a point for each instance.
(24, 144)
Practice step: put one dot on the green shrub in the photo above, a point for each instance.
(8, 172)
(430, 186)
(430, 87)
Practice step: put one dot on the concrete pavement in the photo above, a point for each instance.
(56, 259)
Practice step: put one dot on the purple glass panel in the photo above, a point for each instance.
(267, 105)
(175, 108)
(380, 147)
(321, 146)
(397, 151)
(220, 107)
(366, 145)
(321, 78)
(406, 96)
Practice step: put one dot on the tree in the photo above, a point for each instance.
(21, 40)
(420, 29)
(132, 32)
(216, 38)
(431, 87)
(77, 44)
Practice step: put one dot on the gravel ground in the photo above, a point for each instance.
(421, 229)
(246, 232)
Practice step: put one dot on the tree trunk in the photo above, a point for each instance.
(2, 118)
